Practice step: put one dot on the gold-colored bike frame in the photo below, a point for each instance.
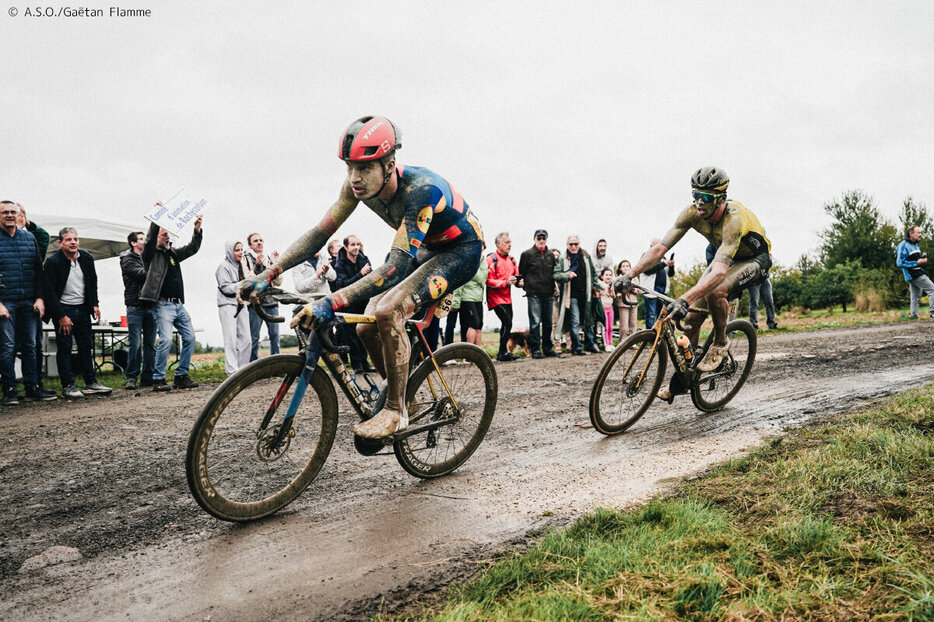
(660, 325)
(357, 318)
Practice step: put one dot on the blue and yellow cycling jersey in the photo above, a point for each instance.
(427, 211)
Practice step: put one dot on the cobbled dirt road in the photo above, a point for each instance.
(98, 523)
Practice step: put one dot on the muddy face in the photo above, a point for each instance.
(366, 178)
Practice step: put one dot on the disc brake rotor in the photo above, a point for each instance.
(265, 449)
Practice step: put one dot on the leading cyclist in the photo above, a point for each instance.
(437, 248)
(742, 259)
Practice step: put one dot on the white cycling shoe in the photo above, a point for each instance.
(382, 425)
(714, 357)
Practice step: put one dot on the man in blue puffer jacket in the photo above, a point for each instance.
(909, 258)
(21, 305)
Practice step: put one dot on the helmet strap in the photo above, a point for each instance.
(387, 177)
(718, 211)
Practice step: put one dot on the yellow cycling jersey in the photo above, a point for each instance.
(738, 235)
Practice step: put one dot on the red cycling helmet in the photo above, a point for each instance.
(367, 139)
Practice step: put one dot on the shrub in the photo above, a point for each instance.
(878, 290)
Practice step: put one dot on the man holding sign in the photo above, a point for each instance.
(165, 288)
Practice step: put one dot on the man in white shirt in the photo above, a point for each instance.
(72, 286)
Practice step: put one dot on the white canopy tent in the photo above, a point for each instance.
(101, 238)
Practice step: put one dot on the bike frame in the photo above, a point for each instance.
(335, 364)
(665, 332)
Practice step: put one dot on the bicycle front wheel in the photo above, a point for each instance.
(712, 390)
(237, 471)
(463, 401)
(627, 383)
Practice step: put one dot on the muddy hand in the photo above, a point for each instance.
(250, 289)
(314, 314)
(622, 283)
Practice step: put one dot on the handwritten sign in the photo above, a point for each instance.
(178, 211)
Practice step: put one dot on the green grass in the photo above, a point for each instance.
(831, 522)
(201, 372)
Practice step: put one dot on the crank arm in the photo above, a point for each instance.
(419, 429)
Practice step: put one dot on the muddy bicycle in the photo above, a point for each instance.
(248, 456)
(631, 377)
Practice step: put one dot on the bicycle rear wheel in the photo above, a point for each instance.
(627, 383)
(713, 390)
(472, 381)
(235, 471)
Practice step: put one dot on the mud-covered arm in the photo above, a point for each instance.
(314, 239)
(652, 256)
(376, 282)
(733, 232)
(307, 245)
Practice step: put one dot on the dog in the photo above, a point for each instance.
(519, 339)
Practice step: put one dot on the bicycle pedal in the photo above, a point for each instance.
(368, 446)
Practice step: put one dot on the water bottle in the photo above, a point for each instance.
(685, 345)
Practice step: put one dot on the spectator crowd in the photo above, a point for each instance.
(572, 307)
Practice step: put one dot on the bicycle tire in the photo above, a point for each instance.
(474, 386)
(713, 390)
(228, 473)
(616, 404)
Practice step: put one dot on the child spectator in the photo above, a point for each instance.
(627, 314)
(606, 298)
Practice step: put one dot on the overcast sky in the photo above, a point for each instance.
(577, 117)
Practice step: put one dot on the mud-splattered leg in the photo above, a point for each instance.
(436, 275)
(719, 312)
(370, 336)
(391, 313)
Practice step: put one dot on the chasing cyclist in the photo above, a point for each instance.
(437, 248)
(742, 259)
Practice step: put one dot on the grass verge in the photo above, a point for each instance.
(832, 522)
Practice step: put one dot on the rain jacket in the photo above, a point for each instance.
(910, 269)
(472, 290)
(498, 290)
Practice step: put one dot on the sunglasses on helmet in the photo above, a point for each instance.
(703, 197)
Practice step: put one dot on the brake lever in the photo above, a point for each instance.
(324, 338)
(265, 316)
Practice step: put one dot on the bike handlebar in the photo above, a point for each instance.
(651, 293)
(322, 332)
